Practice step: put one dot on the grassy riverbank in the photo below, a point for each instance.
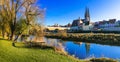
(20, 53)
(109, 39)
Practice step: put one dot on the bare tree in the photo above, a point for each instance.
(12, 10)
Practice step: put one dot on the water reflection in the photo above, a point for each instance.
(59, 46)
(79, 49)
(87, 47)
(85, 50)
(31, 38)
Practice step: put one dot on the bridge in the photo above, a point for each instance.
(58, 28)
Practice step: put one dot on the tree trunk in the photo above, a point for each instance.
(12, 31)
(12, 35)
(8, 35)
(11, 38)
(3, 33)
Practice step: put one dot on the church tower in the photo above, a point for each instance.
(87, 17)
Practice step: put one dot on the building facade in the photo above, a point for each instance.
(110, 25)
(82, 24)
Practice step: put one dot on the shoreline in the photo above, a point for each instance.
(22, 47)
(105, 39)
(78, 59)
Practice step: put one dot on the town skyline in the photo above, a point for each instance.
(99, 10)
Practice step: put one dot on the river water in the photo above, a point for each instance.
(83, 50)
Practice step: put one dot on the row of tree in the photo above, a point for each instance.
(19, 17)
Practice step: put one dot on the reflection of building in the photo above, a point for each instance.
(87, 46)
(82, 24)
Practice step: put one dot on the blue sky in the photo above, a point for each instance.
(65, 11)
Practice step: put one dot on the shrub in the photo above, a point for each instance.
(102, 60)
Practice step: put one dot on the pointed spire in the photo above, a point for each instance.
(87, 15)
(79, 18)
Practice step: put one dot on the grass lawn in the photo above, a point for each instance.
(8, 53)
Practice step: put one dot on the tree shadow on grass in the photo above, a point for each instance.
(3, 39)
(34, 46)
(29, 45)
(40, 47)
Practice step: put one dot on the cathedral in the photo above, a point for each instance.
(82, 24)
(87, 17)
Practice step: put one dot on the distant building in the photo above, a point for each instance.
(112, 21)
(68, 25)
(82, 24)
(110, 25)
(87, 17)
(77, 24)
(87, 27)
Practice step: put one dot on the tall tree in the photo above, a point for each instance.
(12, 10)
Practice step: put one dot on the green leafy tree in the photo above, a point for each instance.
(21, 27)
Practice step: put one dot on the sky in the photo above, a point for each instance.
(63, 12)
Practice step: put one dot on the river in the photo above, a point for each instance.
(83, 50)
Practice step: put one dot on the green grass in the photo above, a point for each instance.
(8, 53)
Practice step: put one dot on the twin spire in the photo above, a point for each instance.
(87, 15)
